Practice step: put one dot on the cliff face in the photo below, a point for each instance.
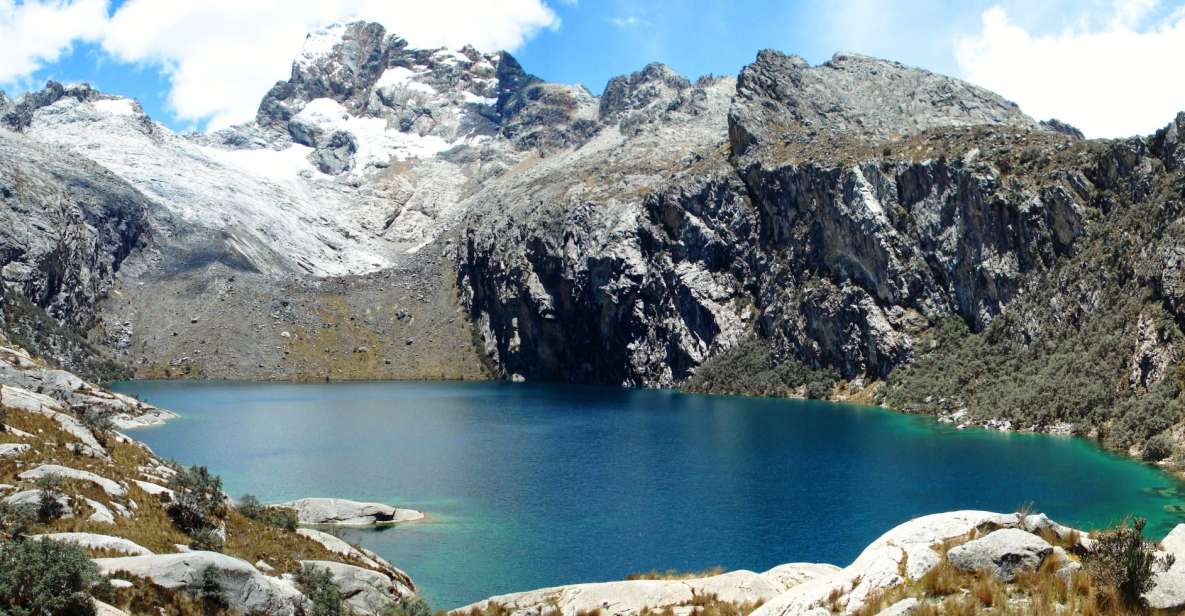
(802, 223)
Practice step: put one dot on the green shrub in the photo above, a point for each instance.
(408, 606)
(280, 517)
(45, 577)
(749, 369)
(1158, 447)
(206, 540)
(15, 520)
(209, 590)
(49, 506)
(98, 423)
(317, 585)
(197, 499)
(1122, 560)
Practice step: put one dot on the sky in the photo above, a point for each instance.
(1109, 67)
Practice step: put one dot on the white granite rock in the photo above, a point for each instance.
(99, 542)
(108, 486)
(244, 587)
(1004, 552)
(342, 512)
(365, 591)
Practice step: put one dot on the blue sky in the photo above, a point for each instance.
(165, 57)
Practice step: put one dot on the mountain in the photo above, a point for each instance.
(857, 229)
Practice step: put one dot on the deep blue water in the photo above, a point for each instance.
(535, 485)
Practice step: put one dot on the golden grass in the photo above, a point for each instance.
(671, 574)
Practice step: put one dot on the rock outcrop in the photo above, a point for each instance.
(244, 587)
(1004, 553)
(343, 512)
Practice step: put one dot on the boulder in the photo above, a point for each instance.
(366, 557)
(244, 587)
(102, 514)
(1004, 552)
(103, 609)
(900, 608)
(790, 575)
(364, 591)
(631, 597)
(342, 512)
(95, 541)
(33, 497)
(1168, 587)
(904, 553)
(108, 486)
(154, 489)
(12, 450)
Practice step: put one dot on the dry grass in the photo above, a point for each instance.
(150, 525)
(671, 574)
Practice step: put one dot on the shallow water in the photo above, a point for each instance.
(536, 485)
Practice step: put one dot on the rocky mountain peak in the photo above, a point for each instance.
(640, 89)
(17, 116)
(5, 103)
(1169, 143)
(781, 98)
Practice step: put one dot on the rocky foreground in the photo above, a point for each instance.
(961, 562)
(67, 476)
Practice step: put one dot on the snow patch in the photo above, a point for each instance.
(320, 44)
(377, 143)
(275, 165)
(402, 77)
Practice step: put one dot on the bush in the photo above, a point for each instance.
(1158, 447)
(750, 369)
(49, 505)
(408, 606)
(208, 589)
(45, 577)
(15, 520)
(317, 585)
(280, 517)
(206, 540)
(1123, 561)
(197, 499)
(99, 423)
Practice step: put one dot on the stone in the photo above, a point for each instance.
(900, 608)
(110, 487)
(904, 553)
(99, 542)
(154, 489)
(342, 512)
(365, 591)
(244, 587)
(12, 450)
(1004, 552)
(33, 498)
(370, 559)
(631, 597)
(101, 513)
(103, 609)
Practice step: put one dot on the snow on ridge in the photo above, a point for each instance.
(376, 142)
(402, 77)
(320, 43)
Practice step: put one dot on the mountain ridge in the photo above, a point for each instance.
(405, 213)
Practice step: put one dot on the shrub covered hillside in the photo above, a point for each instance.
(1090, 339)
(88, 514)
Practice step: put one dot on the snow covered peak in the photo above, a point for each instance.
(320, 44)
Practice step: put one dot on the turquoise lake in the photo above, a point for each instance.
(535, 485)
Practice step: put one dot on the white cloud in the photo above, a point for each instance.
(1113, 80)
(223, 55)
(37, 32)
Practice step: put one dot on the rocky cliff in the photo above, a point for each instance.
(436, 213)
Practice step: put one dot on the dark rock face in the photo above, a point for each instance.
(67, 226)
(837, 264)
(335, 155)
(5, 103)
(782, 98)
(1057, 126)
(1169, 143)
(18, 116)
